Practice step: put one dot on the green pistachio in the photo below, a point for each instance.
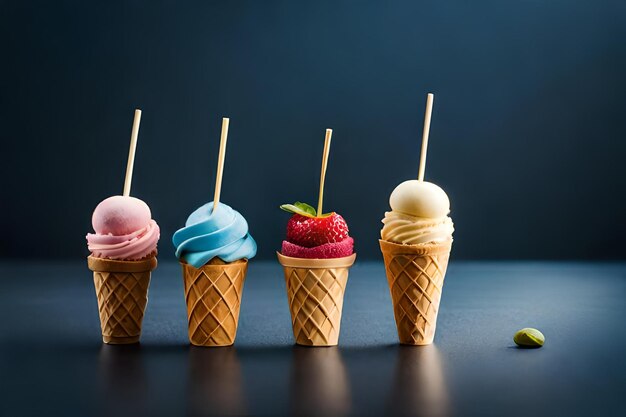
(529, 338)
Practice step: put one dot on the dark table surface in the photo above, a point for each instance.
(52, 361)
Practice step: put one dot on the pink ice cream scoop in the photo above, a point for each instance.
(325, 251)
(124, 230)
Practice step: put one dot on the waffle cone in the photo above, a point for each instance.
(213, 295)
(122, 291)
(415, 274)
(315, 289)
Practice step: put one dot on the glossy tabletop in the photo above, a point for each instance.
(52, 361)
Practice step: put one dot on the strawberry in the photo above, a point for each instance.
(307, 230)
(314, 231)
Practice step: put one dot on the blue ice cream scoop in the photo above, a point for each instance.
(207, 234)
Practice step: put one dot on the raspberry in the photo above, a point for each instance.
(325, 251)
(310, 232)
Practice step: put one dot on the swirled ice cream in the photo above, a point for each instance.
(207, 234)
(418, 216)
(124, 230)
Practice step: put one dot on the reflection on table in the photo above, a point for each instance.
(419, 387)
(215, 385)
(122, 381)
(319, 382)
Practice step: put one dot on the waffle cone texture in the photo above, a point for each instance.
(315, 289)
(415, 275)
(213, 295)
(122, 291)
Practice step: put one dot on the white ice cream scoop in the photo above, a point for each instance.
(420, 199)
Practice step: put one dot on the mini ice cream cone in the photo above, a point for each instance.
(122, 291)
(415, 274)
(213, 295)
(315, 289)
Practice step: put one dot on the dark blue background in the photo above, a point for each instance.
(528, 133)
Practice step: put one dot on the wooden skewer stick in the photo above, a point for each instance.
(429, 112)
(131, 153)
(220, 162)
(329, 134)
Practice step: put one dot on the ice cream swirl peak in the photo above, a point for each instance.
(208, 234)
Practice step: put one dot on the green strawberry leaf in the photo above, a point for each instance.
(302, 209)
(306, 207)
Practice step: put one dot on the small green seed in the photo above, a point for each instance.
(529, 338)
